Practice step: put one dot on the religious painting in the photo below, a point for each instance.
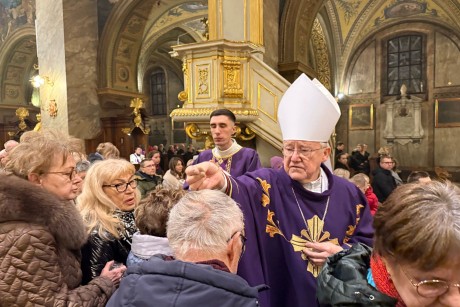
(447, 112)
(401, 9)
(361, 117)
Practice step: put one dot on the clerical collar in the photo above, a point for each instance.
(319, 185)
(224, 154)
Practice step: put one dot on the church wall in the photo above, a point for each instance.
(440, 81)
(363, 72)
(271, 29)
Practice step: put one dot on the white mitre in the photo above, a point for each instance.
(307, 111)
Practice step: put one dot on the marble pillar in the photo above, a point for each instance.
(67, 40)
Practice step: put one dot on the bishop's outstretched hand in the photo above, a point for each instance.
(205, 175)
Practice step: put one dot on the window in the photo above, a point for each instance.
(158, 92)
(405, 64)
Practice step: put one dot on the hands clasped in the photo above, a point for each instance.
(317, 253)
(113, 274)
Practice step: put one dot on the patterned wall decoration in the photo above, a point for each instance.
(323, 67)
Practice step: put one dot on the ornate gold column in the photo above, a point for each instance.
(216, 72)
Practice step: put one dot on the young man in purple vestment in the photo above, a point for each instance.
(227, 153)
(299, 215)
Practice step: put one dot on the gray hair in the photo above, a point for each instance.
(203, 221)
(82, 166)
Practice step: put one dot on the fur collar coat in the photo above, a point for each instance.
(40, 256)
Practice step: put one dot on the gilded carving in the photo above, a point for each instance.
(184, 112)
(203, 82)
(53, 108)
(232, 79)
(321, 54)
(182, 96)
(22, 113)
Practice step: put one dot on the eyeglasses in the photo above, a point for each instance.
(302, 152)
(243, 241)
(388, 163)
(152, 165)
(122, 187)
(430, 288)
(70, 175)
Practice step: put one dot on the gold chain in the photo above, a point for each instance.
(303, 217)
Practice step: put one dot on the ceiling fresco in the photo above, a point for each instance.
(14, 14)
(353, 20)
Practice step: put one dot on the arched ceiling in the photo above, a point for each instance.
(133, 32)
(353, 21)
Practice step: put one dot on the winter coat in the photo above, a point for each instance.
(343, 280)
(146, 183)
(41, 238)
(101, 249)
(175, 283)
(372, 200)
(383, 183)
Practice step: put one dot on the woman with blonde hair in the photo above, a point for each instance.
(104, 151)
(41, 232)
(174, 178)
(107, 202)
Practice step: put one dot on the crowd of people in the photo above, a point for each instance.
(97, 230)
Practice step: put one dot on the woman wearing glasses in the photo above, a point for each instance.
(415, 261)
(41, 231)
(106, 204)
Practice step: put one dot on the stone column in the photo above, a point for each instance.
(236, 20)
(67, 40)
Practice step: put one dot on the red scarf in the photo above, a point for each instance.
(383, 280)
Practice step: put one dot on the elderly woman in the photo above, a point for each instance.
(106, 204)
(41, 231)
(174, 178)
(415, 261)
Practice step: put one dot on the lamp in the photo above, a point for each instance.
(39, 80)
(174, 53)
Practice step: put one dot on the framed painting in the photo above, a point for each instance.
(361, 117)
(447, 112)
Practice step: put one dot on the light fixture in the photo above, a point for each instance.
(174, 53)
(39, 80)
(340, 96)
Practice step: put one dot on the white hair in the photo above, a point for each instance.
(203, 221)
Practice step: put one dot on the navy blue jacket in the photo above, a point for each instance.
(161, 283)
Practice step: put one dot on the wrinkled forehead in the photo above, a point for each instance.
(301, 143)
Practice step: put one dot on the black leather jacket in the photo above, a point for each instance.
(343, 280)
(100, 250)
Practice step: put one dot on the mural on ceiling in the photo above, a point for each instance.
(180, 12)
(14, 14)
(356, 19)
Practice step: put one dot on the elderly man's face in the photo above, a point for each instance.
(302, 159)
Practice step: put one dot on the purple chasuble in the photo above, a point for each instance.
(277, 232)
(243, 161)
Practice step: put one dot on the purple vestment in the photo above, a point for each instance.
(277, 232)
(245, 160)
